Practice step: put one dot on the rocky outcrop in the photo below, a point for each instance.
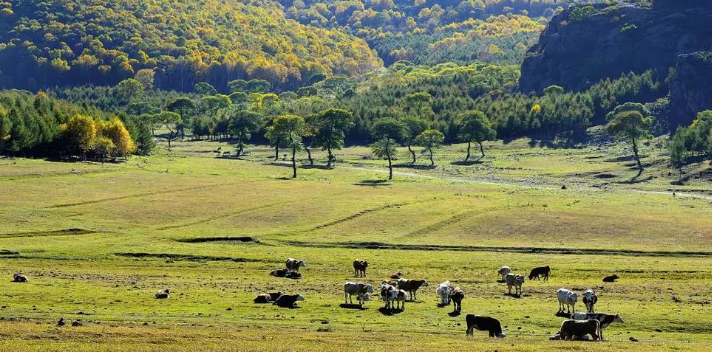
(585, 44)
(690, 87)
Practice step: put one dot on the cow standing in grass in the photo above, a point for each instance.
(360, 268)
(540, 272)
(514, 280)
(456, 296)
(567, 299)
(481, 323)
(389, 294)
(576, 329)
(444, 290)
(411, 286)
(360, 290)
(603, 319)
(589, 299)
(503, 271)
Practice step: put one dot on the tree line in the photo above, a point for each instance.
(37, 125)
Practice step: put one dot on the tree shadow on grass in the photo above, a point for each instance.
(468, 162)
(414, 167)
(373, 183)
(318, 167)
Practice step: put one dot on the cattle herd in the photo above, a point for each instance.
(396, 292)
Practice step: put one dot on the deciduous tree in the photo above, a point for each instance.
(387, 132)
(632, 126)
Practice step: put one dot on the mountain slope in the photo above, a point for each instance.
(586, 44)
(72, 42)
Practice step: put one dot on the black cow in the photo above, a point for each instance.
(288, 301)
(611, 278)
(481, 323)
(543, 271)
(456, 297)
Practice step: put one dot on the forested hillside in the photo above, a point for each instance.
(167, 44)
(436, 31)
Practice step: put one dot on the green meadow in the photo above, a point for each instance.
(99, 240)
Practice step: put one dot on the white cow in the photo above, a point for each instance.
(514, 280)
(389, 294)
(503, 271)
(444, 290)
(567, 298)
(357, 289)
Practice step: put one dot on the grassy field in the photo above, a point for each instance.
(97, 241)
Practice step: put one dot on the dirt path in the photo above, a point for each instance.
(532, 185)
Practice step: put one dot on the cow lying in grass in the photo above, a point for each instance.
(604, 320)
(481, 323)
(294, 265)
(360, 290)
(289, 274)
(611, 278)
(577, 329)
(268, 297)
(411, 286)
(19, 278)
(288, 301)
(162, 294)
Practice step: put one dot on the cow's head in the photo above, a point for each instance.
(300, 298)
(617, 318)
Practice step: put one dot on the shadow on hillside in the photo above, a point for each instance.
(373, 183)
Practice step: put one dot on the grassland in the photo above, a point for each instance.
(97, 241)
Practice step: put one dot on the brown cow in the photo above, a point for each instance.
(360, 268)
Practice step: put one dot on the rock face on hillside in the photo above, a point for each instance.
(691, 87)
(585, 44)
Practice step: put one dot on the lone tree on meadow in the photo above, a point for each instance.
(243, 123)
(415, 126)
(632, 126)
(387, 133)
(430, 139)
(476, 127)
(331, 126)
(291, 128)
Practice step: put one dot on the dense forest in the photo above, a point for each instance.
(436, 31)
(37, 125)
(168, 44)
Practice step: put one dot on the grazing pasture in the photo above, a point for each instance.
(98, 241)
